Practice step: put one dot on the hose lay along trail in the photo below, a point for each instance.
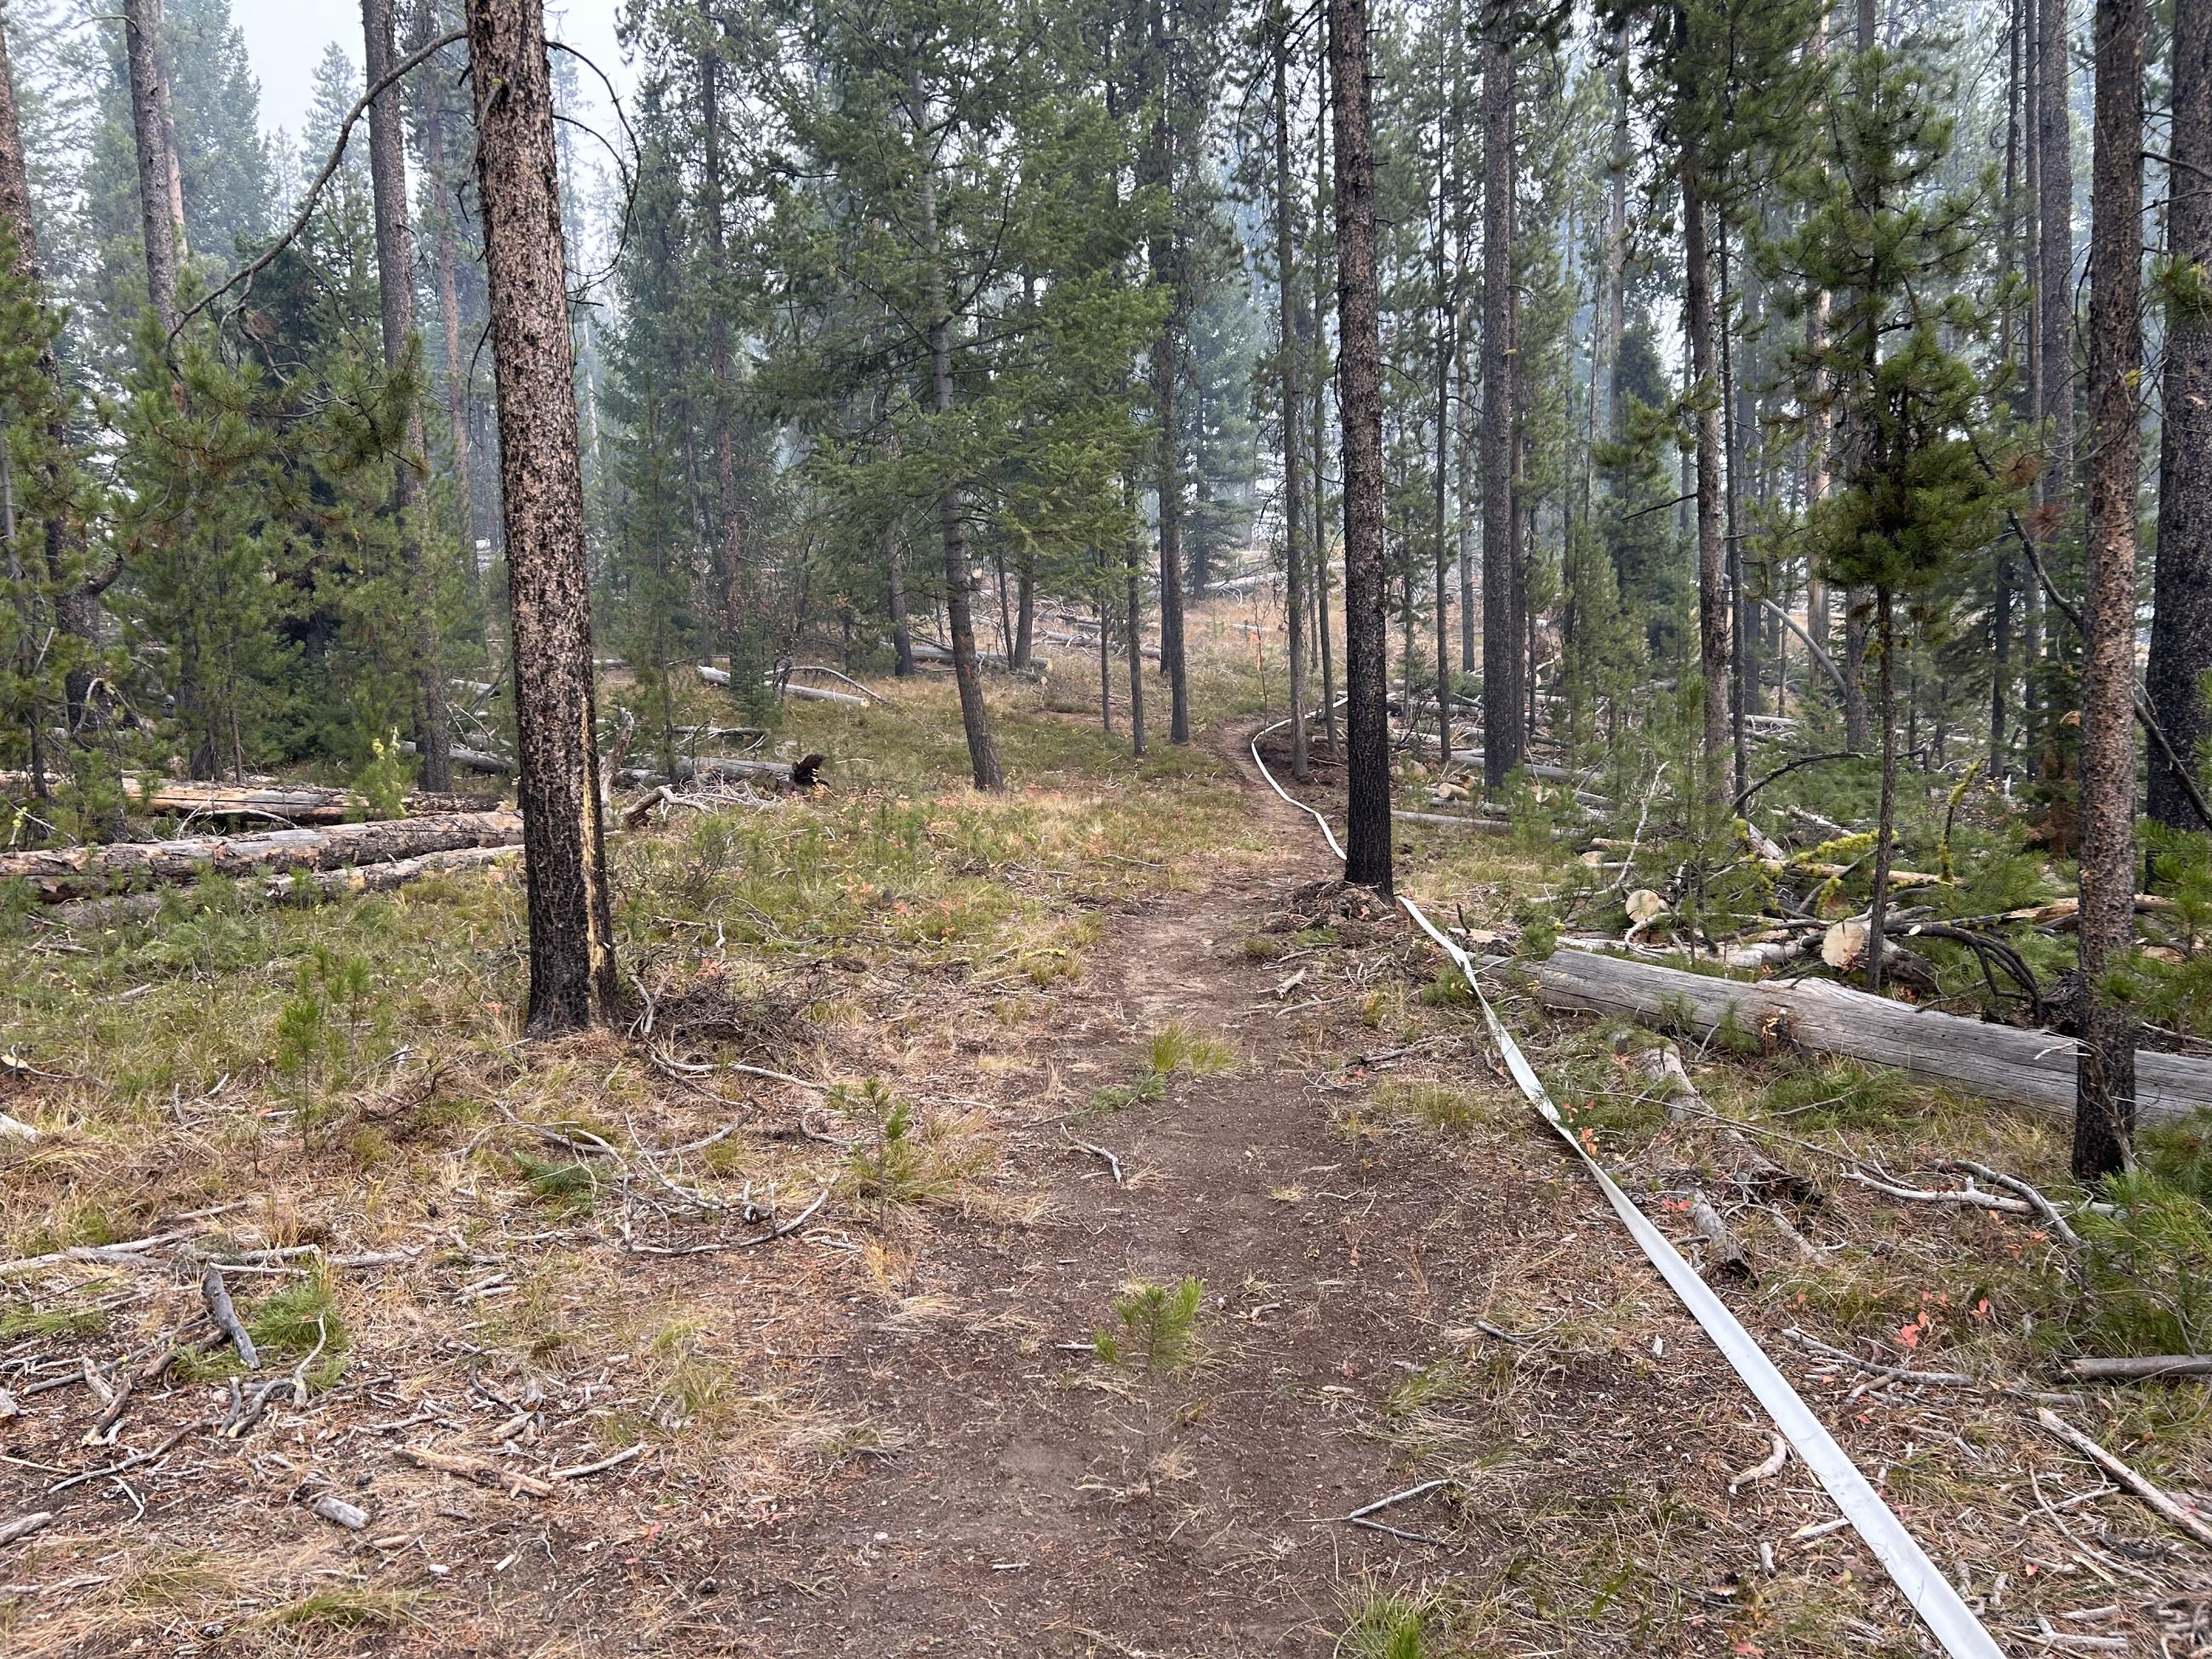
(1948, 1619)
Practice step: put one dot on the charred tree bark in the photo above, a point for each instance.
(572, 961)
(1279, 49)
(2181, 620)
(1359, 396)
(160, 220)
(2104, 1117)
(395, 281)
(1501, 659)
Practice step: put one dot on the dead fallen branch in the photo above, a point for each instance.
(2140, 1367)
(2034, 1069)
(481, 1470)
(217, 1297)
(57, 873)
(24, 1525)
(1112, 1163)
(1762, 1471)
(294, 803)
(299, 886)
(2186, 1520)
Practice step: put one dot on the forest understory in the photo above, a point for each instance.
(1025, 1222)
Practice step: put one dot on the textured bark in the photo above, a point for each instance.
(395, 279)
(298, 803)
(159, 222)
(1359, 398)
(1742, 680)
(2181, 621)
(2054, 306)
(2104, 1115)
(1502, 662)
(894, 554)
(1288, 350)
(1162, 163)
(1444, 318)
(1886, 822)
(572, 962)
(1713, 597)
(71, 872)
(735, 604)
(430, 121)
(951, 502)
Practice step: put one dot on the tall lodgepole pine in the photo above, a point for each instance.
(431, 114)
(2054, 310)
(735, 606)
(2181, 618)
(1359, 402)
(1287, 351)
(952, 499)
(1164, 162)
(572, 959)
(395, 281)
(1501, 659)
(1445, 298)
(161, 221)
(2104, 1111)
(1712, 595)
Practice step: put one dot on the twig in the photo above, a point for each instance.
(1407, 1495)
(2185, 1519)
(2147, 1368)
(2035, 1201)
(24, 1525)
(1112, 1163)
(1763, 1471)
(616, 1461)
(130, 1462)
(482, 1471)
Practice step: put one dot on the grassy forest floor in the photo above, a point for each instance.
(894, 1353)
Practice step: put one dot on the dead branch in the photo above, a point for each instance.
(482, 1471)
(217, 1297)
(2185, 1519)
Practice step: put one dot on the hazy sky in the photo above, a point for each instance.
(285, 39)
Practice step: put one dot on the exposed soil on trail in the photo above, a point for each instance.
(1336, 1267)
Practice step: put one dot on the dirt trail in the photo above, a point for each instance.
(1328, 1267)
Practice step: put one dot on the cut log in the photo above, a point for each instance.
(1456, 821)
(787, 775)
(2034, 1069)
(58, 874)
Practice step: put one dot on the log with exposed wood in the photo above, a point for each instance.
(2032, 1068)
(803, 693)
(297, 802)
(73, 872)
(476, 760)
(801, 774)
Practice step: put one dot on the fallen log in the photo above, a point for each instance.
(295, 803)
(476, 760)
(787, 775)
(2034, 1068)
(1456, 821)
(56, 873)
(297, 887)
(2146, 1368)
(804, 693)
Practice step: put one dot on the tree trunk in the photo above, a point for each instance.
(2104, 1119)
(1502, 744)
(902, 633)
(430, 120)
(159, 222)
(1320, 383)
(1712, 596)
(1289, 346)
(1742, 680)
(1885, 824)
(1359, 397)
(1164, 162)
(2181, 618)
(2054, 303)
(735, 599)
(951, 500)
(1444, 347)
(1136, 605)
(395, 279)
(572, 961)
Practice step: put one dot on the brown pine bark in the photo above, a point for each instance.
(2181, 620)
(395, 280)
(2104, 1115)
(2054, 306)
(951, 501)
(1323, 633)
(1279, 51)
(712, 191)
(1503, 693)
(572, 961)
(1444, 350)
(430, 115)
(1359, 400)
(1167, 367)
(158, 219)
(1712, 596)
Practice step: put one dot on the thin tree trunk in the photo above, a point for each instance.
(2104, 1117)
(1442, 617)
(1740, 679)
(1166, 369)
(572, 960)
(735, 599)
(1502, 695)
(430, 120)
(2002, 570)
(902, 634)
(1359, 395)
(2181, 619)
(1713, 597)
(2054, 301)
(395, 279)
(160, 222)
(1136, 637)
(1320, 384)
(951, 501)
(1279, 47)
(1885, 828)
(1024, 610)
